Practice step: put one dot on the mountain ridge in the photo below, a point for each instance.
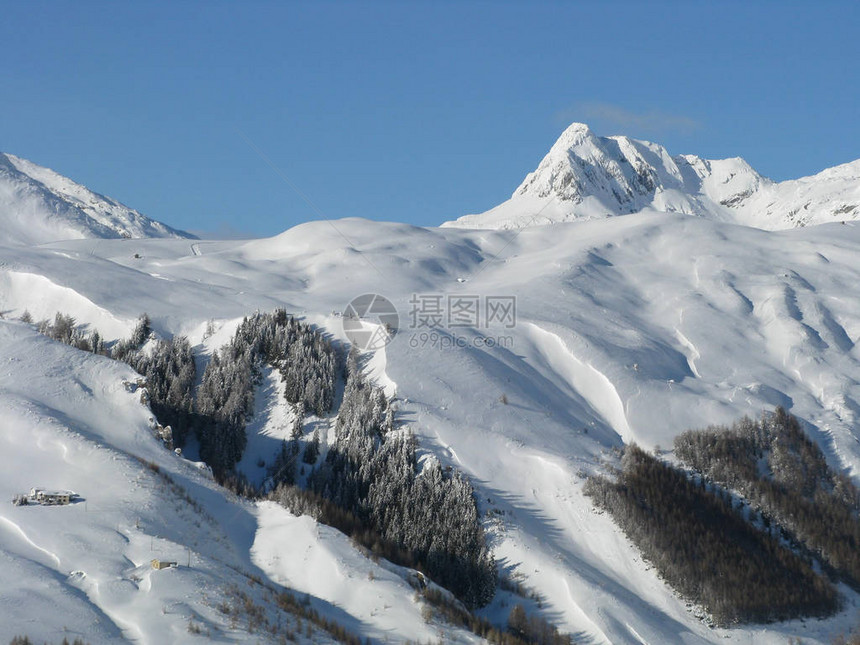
(39, 205)
(584, 176)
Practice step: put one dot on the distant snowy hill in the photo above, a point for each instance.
(37, 206)
(585, 176)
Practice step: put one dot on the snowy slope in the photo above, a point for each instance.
(37, 205)
(67, 421)
(627, 329)
(585, 176)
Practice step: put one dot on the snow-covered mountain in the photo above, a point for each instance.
(626, 329)
(585, 176)
(70, 420)
(622, 334)
(38, 205)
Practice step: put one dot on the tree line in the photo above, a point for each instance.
(704, 547)
(224, 401)
(785, 476)
(168, 367)
(305, 359)
(369, 481)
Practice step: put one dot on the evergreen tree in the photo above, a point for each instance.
(141, 331)
(312, 450)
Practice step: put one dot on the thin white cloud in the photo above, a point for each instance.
(607, 114)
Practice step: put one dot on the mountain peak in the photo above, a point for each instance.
(38, 205)
(614, 173)
(585, 176)
(575, 134)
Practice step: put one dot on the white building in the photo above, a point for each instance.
(51, 497)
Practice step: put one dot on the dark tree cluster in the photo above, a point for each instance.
(371, 471)
(225, 399)
(705, 548)
(64, 329)
(123, 349)
(305, 358)
(534, 629)
(169, 368)
(309, 373)
(369, 483)
(784, 475)
(283, 469)
(170, 373)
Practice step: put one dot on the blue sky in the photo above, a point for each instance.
(416, 112)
